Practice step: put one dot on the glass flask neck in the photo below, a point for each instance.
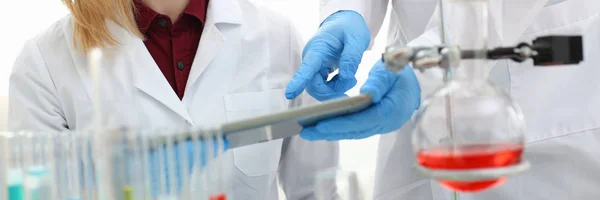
(467, 28)
(470, 71)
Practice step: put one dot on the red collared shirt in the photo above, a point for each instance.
(173, 45)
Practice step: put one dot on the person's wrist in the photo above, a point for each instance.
(338, 14)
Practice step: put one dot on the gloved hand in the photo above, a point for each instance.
(395, 98)
(340, 41)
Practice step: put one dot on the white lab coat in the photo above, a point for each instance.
(560, 105)
(246, 56)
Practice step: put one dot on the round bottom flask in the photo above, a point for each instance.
(469, 135)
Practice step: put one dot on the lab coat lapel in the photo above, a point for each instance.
(132, 53)
(147, 76)
(150, 80)
(213, 38)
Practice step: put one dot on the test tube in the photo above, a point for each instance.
(212, 171)
(170, 159)
(36, 182)
(183, 156)
(196, 161)
(74, 167)
(10, 174)
(138, 165)
(3, 166)
(88, 173)
(26, 156)
(114, 108)
(123, 163)
(50, 160)
(15, 170)
(127, 161)
(146, 150)
(219, 148)
(43, 170)
(162, 182)
(103, 168)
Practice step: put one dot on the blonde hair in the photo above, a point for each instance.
(89, 16)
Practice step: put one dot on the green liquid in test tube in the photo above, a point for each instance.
(14, 176)
(15, 185)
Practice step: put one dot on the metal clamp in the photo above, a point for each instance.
(545, 51)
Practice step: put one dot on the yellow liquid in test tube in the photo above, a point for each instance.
(127, 193)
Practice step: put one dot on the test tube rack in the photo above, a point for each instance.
(120, 164)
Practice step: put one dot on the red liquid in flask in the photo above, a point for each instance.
(471, 156)
(218, 197)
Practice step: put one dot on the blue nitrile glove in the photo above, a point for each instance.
(395, 98)
(188, 148)
(340, 41)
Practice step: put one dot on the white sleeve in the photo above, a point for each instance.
(432, 78)
(33, 104)
(432, 34)
(373, 11)
(301, 160)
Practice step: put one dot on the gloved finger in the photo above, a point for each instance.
(403, 98)
(322, 91)
(379, 82)
(356, 135)
(392, 94)
(311, 133)
(349, 61)
(339, 85)
(311, 65)
(369, 117)
(410, 92)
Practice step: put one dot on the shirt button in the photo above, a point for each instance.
(162, 22)
(180, 65)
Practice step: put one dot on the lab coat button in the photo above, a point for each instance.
(180, 65)
(162, 22)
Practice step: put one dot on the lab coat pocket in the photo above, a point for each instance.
(259, 159)
(562, 100)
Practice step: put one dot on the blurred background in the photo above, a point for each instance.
(23, 19)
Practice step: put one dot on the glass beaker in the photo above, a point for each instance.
(469, 134)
